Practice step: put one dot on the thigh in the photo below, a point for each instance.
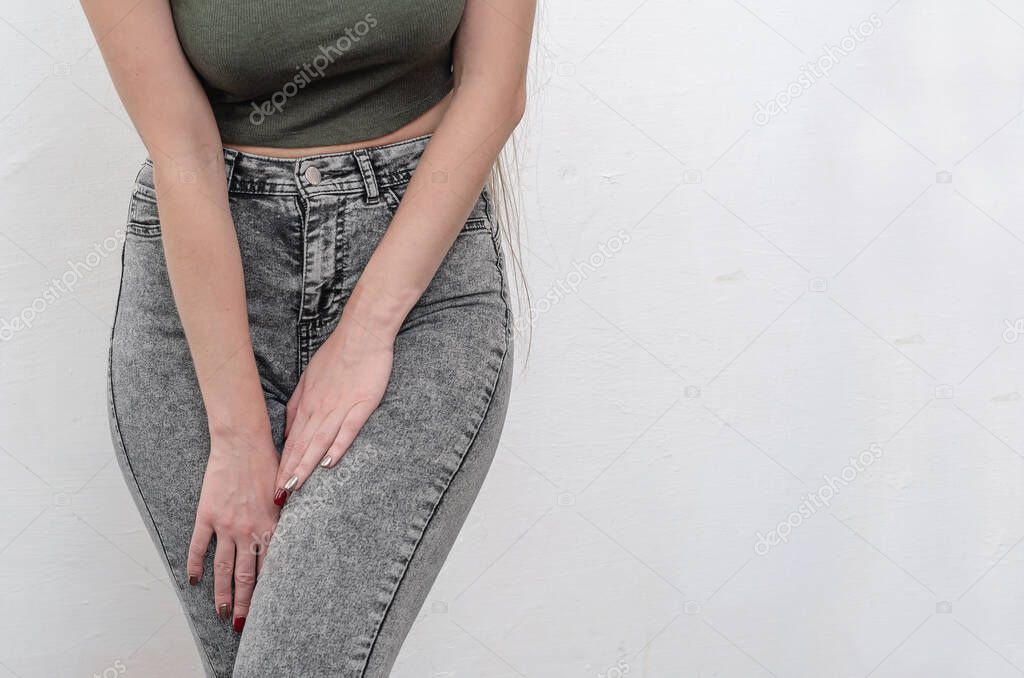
(159, 428)
(158, 422)
(358, 548)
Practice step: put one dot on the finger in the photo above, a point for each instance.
(322, 439)
(223, 569)
(260, 546)
(298, 442)
(293, 405)
(245, 582)
(298, 425)
(293, 447)
(261, 555)
(353, 424)
(201, 535)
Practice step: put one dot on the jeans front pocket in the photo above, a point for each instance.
(143, 217)
(479, 218)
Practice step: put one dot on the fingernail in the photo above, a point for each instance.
(280, 497)
(291, 483)
(239, 624)
(326, 461)
(193, 580)
(224, 611)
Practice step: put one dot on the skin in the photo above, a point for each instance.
(346, 378)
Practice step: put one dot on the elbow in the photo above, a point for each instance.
(518, 105)
(512, 104)
(504, 103)
(185, 158)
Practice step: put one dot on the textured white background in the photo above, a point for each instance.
(790, 294)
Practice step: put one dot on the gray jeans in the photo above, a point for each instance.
(358, 548)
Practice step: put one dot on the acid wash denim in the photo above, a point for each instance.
(358, 547)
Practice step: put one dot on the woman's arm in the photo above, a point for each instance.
(345, 380)
(172, 115)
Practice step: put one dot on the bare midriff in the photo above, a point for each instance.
(423, 125)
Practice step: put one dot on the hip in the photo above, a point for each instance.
(306, 229)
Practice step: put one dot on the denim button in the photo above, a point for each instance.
(312, 175)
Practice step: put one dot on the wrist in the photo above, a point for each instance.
(239, 421)
(378, 312)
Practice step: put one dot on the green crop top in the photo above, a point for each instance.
(296, 73)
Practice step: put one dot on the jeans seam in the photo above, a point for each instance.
(140, 231)
(433, 511)
(341, 252)
(300, 330)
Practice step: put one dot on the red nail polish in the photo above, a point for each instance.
(193, 580)
(239, 624)
(280, 497)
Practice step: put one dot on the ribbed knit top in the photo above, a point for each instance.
(297, 73)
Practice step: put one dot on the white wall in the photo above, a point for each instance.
(770, 299)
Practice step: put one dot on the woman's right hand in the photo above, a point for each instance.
(236, 505)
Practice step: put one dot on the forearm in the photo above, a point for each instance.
(168, 106)
(205, 269)
(439, 198)
(490, 57)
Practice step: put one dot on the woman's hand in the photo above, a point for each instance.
(341, 387)
(235, 505)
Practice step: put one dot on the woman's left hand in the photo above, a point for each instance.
(339, 390)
